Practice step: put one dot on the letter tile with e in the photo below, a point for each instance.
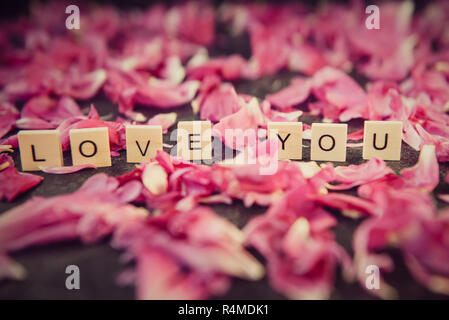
(194, 140)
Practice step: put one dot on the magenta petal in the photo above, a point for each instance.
(12, 182)
(354, 175)
(336, 88)
(296, 93)
(219, 103)
(425, 174)
(8, 116)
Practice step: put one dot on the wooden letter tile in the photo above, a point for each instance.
(382, 139)
(289, 136)
(329, 141)
(142, 142)
(90, 146)
(40, 148)
(194, 140)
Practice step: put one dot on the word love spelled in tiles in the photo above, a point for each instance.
(42, 148)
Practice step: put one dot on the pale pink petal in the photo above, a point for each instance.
(67, 169)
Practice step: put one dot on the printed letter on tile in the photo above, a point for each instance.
(194, 140)
(142, 142)
(40, 148)
(329, 141)
(90, 146)
(382, 139)
(289, 136)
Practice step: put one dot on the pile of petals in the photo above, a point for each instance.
(89, 214)
(163, 57)
(171, 183)
(295, 238)
(184, 255)
(175, 257)
(180, 239)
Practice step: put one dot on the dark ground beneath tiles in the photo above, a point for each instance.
(99, 264)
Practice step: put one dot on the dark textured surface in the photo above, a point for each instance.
(99, 264)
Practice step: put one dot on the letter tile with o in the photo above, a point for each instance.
(328, 141)
(90, 146)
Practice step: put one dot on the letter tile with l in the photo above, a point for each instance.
(40, 148)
